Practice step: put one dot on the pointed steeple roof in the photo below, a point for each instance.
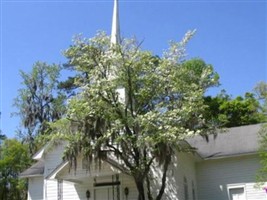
(115, 30)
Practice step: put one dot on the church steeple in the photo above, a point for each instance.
(115, 30)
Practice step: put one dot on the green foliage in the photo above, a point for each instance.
(261, 91)
(199, 73)
(2, 136)
(262, 173)
(39, 101)
(133, 109)
(228, 112)
(68, 86)
(14, 158)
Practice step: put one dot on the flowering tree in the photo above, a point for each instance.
(133, 110)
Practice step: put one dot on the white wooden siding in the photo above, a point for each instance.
(127, 181)
(78, 181)
(52, 158)
(211, 178)
(75, 191)
(50, 189)
(214, 176)
(183, 166)
(35, 191)
(80, 174)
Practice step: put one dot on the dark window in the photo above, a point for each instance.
(237, 193)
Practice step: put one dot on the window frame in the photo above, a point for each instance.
(236, 186)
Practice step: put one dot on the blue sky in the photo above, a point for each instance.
(231, 35)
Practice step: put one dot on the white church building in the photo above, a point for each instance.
(222, 169)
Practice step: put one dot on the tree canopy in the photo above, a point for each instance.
(14, 158)
(261, 91)
(230, 112)
(134, 110)
(39, 101)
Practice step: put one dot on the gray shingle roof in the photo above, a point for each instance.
(235, 141)
(36, 169)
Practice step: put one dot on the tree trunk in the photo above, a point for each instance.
(148, 188)
(140, 187)
(164, 176)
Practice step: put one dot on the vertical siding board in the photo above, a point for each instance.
(35, 191)
(51, 188)
(52, 158)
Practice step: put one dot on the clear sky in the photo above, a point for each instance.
(231, 35)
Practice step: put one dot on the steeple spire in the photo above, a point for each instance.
(115, 30)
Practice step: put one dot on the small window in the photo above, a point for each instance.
(236, 193)
(186, 196)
